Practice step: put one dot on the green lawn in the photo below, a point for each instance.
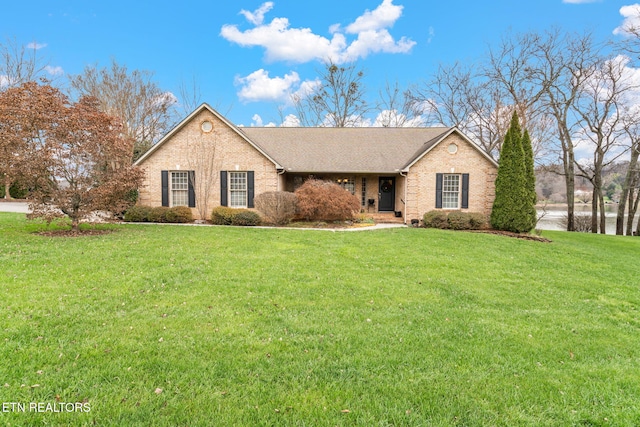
(246, 326)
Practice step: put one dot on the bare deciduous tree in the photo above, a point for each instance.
(204, 159)
(144, 109)
(337, 101)
(457, 96)
(563, 63)
(397, 108)
(19, 64)
(599, 107)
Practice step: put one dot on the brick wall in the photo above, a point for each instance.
(421, 179)
(183, 151)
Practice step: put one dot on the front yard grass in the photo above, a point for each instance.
(196, 326)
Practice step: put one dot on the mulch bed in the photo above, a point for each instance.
(515, 235)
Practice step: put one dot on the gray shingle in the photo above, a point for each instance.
(356, 150)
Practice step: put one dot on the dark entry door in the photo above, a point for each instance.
(386, 193)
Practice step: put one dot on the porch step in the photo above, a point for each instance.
(384, 218)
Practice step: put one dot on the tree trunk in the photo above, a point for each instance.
(7, 187)
(569, 180)
(594, 210)
(603, 214)
(628, 192)
(633, 207)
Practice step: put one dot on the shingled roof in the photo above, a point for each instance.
(354, 150)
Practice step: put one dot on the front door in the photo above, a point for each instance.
(386, 193)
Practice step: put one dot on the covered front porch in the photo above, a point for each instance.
(378, 193)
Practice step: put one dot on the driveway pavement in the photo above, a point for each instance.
(21, 207)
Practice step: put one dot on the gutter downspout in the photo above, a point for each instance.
(280, 173)
(405, 197)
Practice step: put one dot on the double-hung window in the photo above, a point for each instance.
(179, 189)
(450, 191)
(238, 189)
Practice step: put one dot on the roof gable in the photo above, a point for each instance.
(430, 145)
(187, 120)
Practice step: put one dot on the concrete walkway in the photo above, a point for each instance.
(23, 207)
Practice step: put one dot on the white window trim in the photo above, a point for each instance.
(458, 191)
(231, 191)
(171, 189)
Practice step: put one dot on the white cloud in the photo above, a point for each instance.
(631, 15)
(286, 44)
(283, 43)
(54, 71)
(394, 118)
(374, 42)
(36, 46)
(258, 86)
(257, 16)
(291, 121)
(432, 34)
(305, 89)
(4, 81)
(384, 16)
(257, 122)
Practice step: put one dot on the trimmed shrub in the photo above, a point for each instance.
(223, 215)
(477, 221)
(454, 220)
(179, 214)
(435, 219)
(246, 218)
(158, 214)
(458, 221)
(277, 207)
(326, 201)
(137, 213)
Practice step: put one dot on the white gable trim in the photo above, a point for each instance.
(190, 117)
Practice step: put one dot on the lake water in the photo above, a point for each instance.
(552, 218)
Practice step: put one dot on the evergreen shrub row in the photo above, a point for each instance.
(223, 215)
(454, 220)
(176, 214)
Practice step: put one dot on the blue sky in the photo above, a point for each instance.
(248, 56)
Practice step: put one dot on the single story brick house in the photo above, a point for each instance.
(206, 161)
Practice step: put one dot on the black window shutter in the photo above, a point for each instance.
(465, 191)
(223, 188)
(438, 191)
(192, 189)
(250, 189)
(164, 176)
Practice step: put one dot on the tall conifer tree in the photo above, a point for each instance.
(513, 207)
